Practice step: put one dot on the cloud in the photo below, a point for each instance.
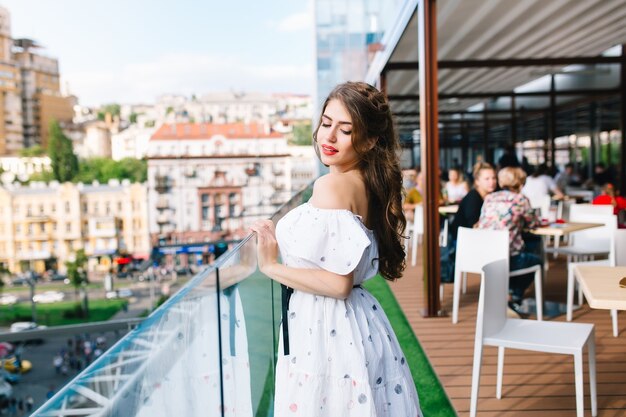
(296, 22)
(187, 73)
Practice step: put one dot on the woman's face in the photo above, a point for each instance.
(334, 138)
(453, 176)
(486, 181)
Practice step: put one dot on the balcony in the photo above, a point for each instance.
(158, 365)
(163, 219)
(162, 203)
(163, 184)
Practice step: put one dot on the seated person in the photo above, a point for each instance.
(455, 188)
(510, 210)
(414, 196)
(610, 197)
(540, 184)
(469, 208)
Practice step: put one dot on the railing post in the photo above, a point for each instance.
(429, 143)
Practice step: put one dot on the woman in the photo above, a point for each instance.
(609, 197)
(510, 210)
(343, 357)
(469, 208)
(456, 187)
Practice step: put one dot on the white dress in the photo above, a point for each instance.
(344, 359)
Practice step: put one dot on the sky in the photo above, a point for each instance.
(131, 51)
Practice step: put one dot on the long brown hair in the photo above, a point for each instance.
(375, 141)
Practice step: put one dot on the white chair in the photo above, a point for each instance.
(477, 247)
(493, 328)
(597, 209)
(589, 242)
(414, 231)
(542, 203)
(617, 257)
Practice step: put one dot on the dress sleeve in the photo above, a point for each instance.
(331, 239)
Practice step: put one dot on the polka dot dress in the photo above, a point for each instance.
(344, 358)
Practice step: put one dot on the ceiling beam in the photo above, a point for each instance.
(494, 94)
(503, 63)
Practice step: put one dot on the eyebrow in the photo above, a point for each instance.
(340, 122)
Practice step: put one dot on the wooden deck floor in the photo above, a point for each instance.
(535, 384)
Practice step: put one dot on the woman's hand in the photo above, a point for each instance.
(267, 247)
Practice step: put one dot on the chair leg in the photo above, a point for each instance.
(571, 282)
(414, 250)
(615, 325)
(478, 357)
(539, 294)
(591, 352)
(580, 295)
(500, 372)
(578, 376)
(456, 296)
(440, 293)
(464, 282)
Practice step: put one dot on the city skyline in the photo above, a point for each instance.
(133, 52)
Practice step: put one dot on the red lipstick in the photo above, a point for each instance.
(328, 150)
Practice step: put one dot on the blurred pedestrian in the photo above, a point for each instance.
(29, 404)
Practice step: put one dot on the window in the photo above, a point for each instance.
(18, 228)
(107, 208)
(85, 208)
(68, 227)
(95, 207)
(41, 209)
(119, 206)
(53, 208)
(42, 227)
(67, 206)
(29, 210)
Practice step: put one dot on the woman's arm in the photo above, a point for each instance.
(314, 281)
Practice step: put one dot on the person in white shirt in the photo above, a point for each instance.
(540, 184)
(456, 187)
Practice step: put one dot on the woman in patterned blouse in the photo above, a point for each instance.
(510, 210)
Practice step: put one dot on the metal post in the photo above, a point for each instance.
(622, 88)
(485, 135)
(552, 122)
(513, 120)
(591, 166)
(429, 142)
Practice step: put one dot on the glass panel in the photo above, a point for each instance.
(249, 332)
(169, 365)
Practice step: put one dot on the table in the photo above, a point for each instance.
(451, 209)
(600, 284)
(562, 229)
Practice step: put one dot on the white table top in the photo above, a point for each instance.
(561, 229)
(600, 285)
(451, 209)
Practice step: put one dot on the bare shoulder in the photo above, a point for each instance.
(336, 191)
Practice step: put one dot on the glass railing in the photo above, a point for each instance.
(210, 350)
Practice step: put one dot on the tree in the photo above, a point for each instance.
(61, 152)
(35, 150)
(302, 134)
(103, 169)
(77, 275)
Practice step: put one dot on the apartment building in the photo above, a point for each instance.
(11, 123)
(43, 225)
(208, 181)
(30, 95)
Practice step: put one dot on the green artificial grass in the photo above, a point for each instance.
(433, 399)
(53, 314)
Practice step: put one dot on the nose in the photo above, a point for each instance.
(332, 134)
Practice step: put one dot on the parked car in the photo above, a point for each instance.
(8, 299)
(49, 297)
(20, 326)
(121, 293)
(11, 364)
(6, 391)
(59, 277)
